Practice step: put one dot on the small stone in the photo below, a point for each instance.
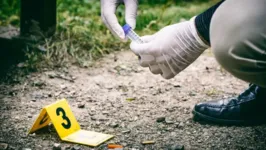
(115, 58)
(177, 85)
(192, 94)
(3, 146)
(177, 147)
(57, 146)
(73, 92)
(199, 141)
(32, 135)
(184, 99)
(81, 105)
(98, 123)
(126, 131)
(181, 125)
(23, 135)
(105, 112)
(76, 148)
(37, 95)
(57, 94)
(68, 148)
(171, 109)
(63, 87)
(91, 113)
(38, 83)
(103, 119)
(124, 144)
(93, 118)
(51, 76)
(26, 149)
(160, 119)
(167, 121)
(114, 125)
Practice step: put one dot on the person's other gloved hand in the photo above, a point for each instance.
(108, 8)
(173, 48)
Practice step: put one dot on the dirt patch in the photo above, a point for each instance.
(116, 96)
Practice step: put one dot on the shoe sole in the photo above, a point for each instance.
(203, 117)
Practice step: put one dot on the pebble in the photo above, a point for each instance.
(199, 141)
(105, 112)
(81, 105)
(68, 147)
(76, 148)
(160, 119)
(124, 144)
(114, 125)
(3, 146)
(171, 109)
(103, 119)
(51, 76)
(177, 85)
(181, 125)
(50, 95)
(192, 94)
(167, 121)
(26, 149)
(38, 83)
(63, 87)
(126, 131)
(24, 135)
(37, 95)
(57, 146)
(176, 147)
(32, 135)
(98, 123)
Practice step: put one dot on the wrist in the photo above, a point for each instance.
(196, 34)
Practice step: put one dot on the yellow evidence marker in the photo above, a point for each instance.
(66, 125)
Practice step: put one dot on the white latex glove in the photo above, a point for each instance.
(173, 48)
(108, 8)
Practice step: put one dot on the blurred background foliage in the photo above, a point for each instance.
(81, 36)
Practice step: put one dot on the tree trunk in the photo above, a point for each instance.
(38, 18)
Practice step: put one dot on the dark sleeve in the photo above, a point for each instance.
(203, 22)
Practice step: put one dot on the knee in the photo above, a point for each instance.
(237, 31)
(235, 27)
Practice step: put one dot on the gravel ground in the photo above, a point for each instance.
(116, 96)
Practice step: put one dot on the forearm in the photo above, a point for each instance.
(203, 22)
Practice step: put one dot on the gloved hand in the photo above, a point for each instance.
(173, 48)
(108, 8)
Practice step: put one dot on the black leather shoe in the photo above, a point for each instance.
(248, 108)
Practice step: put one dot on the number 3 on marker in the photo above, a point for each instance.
(59, 111)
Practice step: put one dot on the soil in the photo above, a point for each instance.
(116, 96)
